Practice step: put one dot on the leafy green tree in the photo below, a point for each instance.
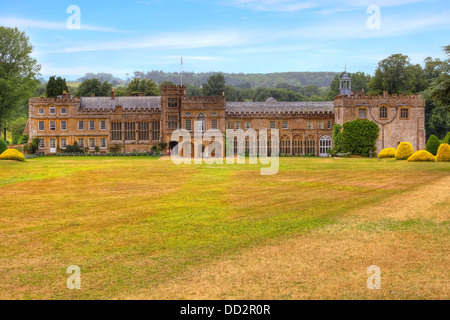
(392, 75)
(215, 85)
(56, 86)
(148, 87)
(16, 127)
(360, 80)
(192, 91)
(231, 93)
(91, 87)
(439, 89)
(166, 83)
(18, 71)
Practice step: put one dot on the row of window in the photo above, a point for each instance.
(383, 113)
(188, 125)
(284, 125)
(63, 125)
(92, 143)
(135, 129)
(52, 111)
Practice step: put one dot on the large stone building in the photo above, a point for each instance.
(137, 123)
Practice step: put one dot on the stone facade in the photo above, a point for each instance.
(135, 124)
(400, 118)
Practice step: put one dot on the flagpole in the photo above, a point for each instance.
(181, 74)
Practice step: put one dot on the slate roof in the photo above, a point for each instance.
(127, 103)
(271, 105)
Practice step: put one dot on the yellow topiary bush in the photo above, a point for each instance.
(12, 154)
(404, 151)
(387, 153)
(421, 155)
(443, 153)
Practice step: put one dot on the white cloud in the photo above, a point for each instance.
(391, 26)
(48, 25)
(189, 40)
(272, 5)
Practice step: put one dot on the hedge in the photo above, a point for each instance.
(12, 154)
(387, 153)
(404, 151)
(421, 155)
(359, 137)
(433, 144)
(447, 138)
(3, 146)
(443, 154)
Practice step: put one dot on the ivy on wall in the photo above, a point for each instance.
(357, 137)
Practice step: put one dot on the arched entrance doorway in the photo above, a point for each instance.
(173, 147)
(324, 146)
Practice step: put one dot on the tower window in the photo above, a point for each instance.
(173, 122)
(362, 113)
(383, 112)
(173, 103)
(404, 113)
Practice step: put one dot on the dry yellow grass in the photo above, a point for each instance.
(146, 229)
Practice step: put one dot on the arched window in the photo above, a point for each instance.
(201, 122)
(310, 145)
(297, 145)
(324, 146)
(383, 112)
(285, 146)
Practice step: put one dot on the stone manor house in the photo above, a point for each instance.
(137, 123)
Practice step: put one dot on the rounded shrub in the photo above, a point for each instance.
(421, 156)
(443, 154)
(447, 138)
(3, 146)
(12, 154)
(433, 144)
(404, 151)
(387, 153)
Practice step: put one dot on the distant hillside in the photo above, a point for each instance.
(245, 80)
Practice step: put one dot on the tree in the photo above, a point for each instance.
(392, 75)
(148, 87)
(94, 87)
(18, 72)
(166, 83)
(56, 86)
(439, 89)
(215, 85)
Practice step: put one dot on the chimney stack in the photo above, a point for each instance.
(385, 94)
(254, 99)
(113, 93)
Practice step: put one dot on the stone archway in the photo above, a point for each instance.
(173, 147)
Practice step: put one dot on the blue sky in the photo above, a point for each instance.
(247, 36)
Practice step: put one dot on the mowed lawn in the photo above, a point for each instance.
(143, 228)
